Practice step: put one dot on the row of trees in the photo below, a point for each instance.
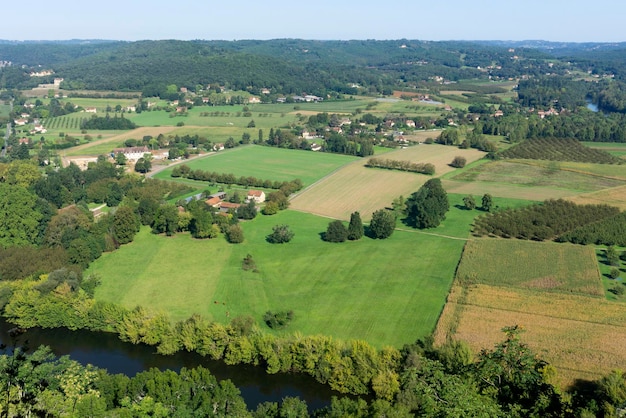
(184, 171)
(337, 232)
(423, 168)
(108, 123)
(419, 380)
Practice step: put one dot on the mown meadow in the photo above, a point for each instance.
(387, 292)
(276, 164)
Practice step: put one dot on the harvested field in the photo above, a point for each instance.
(581, 336)
(546, 266)
(357, 188)
(614, 197)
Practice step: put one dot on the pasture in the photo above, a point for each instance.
(357, 188)
(268, 163)
(541, 180)
(375, 290)
(534, 175)
(616, 148)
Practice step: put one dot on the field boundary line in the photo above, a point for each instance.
(433, 234)
(299, 192)
(478, 305)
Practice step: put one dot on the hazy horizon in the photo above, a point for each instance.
(557, 21)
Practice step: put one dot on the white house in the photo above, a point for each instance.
(131, 153)
(257, 195)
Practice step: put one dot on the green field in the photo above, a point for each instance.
(616, 148)
(533, 265)
(268, 164)
(387, 292)
(544, 175)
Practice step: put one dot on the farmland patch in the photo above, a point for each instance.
(357, 188)
(581, 336)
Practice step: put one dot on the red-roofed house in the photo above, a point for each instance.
(257, 195)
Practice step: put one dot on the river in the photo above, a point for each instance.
(108, 352)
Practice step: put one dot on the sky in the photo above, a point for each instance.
(550, 20)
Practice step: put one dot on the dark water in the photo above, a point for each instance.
(108, 352)
(592, 107)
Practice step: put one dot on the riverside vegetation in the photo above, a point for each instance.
(389, 313)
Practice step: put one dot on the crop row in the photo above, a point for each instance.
(63, 122)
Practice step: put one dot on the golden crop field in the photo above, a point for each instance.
(583, 337)
(614, 197)
(358, 188)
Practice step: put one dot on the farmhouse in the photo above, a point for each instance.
(227, 206)
(213, 201)
(131, 153)
(254, 100)
(20, 122)
(38, 129)
(91, 110)
(257, 195)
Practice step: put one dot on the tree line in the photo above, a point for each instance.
(417, 380)
(185, 171)
(422, 168)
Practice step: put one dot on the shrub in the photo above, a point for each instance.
(248, 263)
(336, 232)
(280, 235)
(271, 208)
(382, 224)
(614, 273)
(469, 202)
(234, 234)
(617, 289)
(458, 162)
(278, 320)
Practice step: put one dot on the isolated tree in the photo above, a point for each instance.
(469, 202)
(612, 256)
(271, 208)
(458, 162)
(202, 225)
(247, 211)
(165, 220)
(234, 234)
(125, 224)
(382, 224)
(336, 232)
(427, 207)
(120, 158)
(487, 202)
(615, 273)
(251, 124)
(355, 228)
(280, 234)
(143, 165)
